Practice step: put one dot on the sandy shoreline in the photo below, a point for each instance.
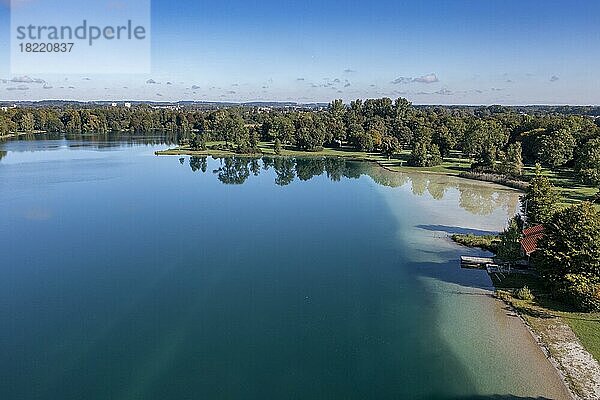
(578, 369)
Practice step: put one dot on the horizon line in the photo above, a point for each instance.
(297, 102)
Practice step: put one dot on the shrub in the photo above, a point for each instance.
(524, 294)
(503, 295)
(486, 242)
(582, 291)
(277, 146)
(495, 178)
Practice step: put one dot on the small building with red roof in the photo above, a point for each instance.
(530, 238)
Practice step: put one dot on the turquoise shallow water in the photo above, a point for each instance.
(131, 276)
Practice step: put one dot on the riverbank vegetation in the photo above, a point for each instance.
(566, 251)
(485, 242)
(567, 254)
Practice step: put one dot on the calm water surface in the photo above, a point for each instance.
(130, 276)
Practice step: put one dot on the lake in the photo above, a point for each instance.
(130, 276)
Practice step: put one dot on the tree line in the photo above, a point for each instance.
(497, 139)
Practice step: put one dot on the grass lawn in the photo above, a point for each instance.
(451, 166)
(572, 191)
(587, 329)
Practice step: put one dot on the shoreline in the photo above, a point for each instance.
(543, 346)
(577, 367)
(17, 134)
(380, 160)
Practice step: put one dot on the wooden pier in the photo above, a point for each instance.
(476, 262)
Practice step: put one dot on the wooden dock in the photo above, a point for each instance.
(476, 262)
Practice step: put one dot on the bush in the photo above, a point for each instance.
(486, 242)
(495, 178)
(582, 291)
(277, 146)
(247, 150)
(524, 294)
(503, 295)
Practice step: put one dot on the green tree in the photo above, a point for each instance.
(511, 161)
(555, 147)
(482, 140)
(509, 248)
(435, 157)
(197, 142)
(389, 146)
(587, 162)
(568, 255)
(283, 128)
(72, 121)
(444, 139)
(540, 200)
(425, 155)
(254, 139)
(418, 156)
(310, 132)
(235, 132)
(4, 128)
(277, 146)
(27, 123)
(357, 137)
(335, 121)
(514, 159)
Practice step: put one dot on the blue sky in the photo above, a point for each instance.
(433, 52)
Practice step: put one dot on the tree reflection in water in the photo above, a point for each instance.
(233, 170)
(475, 197)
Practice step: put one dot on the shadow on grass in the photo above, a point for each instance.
(547, 307)
(459, 168)
(536, 313)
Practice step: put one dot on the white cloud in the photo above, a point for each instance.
(20, 87)
(26, 79)
(429, 78)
